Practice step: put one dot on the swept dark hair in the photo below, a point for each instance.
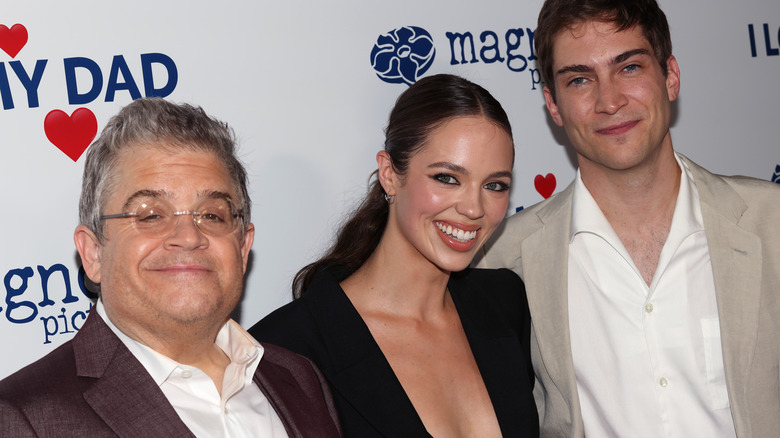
(420, 110)
(557, 15)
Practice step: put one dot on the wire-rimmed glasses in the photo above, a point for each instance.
(156, 217)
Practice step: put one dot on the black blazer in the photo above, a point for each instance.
(325, 327)
(93, 386)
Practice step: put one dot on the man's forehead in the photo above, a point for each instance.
(163, 146)
(149, 155)
(162, 171)
(579, 29)
(600, 29)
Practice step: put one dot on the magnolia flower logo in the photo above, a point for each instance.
(776, 176)
(403, 55)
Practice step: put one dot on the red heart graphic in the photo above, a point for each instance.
(71, 134)
(545, 185)
(12, 40)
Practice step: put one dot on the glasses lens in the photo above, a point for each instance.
(216, 217)
(153, 218)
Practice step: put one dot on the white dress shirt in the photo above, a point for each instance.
(647, 359)
(241, 411)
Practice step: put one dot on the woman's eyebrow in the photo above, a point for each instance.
(449, 166)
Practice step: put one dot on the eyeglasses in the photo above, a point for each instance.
(157, 218)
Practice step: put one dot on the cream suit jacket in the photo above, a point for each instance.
(742, 223)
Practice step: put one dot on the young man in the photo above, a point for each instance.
(165, 231)
(652, 283)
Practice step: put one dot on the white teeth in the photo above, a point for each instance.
(456, 233)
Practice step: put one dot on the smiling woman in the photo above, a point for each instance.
(452, 196)
(412, 341)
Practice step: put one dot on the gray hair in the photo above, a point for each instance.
(152, 121)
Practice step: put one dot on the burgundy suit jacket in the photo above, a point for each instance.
(92, 386)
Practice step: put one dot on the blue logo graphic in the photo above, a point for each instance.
(403, 55)
(776, 176)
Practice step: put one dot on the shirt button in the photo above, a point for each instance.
(649, 307)
(186, 374)
(663, 382)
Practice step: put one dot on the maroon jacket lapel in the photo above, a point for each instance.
(298, 393)
(128, 400)
(124, 395)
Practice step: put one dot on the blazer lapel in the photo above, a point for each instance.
(736, 265)
(359, 371)
(545, 254)
(289, 400)
(493, 346)
(124, 394)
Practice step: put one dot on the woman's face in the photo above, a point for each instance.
(454, 193)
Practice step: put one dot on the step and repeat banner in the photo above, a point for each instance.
(307, 86)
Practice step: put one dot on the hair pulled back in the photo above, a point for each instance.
(420, 110)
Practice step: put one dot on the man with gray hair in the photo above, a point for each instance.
(165, 232)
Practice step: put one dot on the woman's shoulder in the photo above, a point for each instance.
(287, 326)
(489, 273)
(498, 290)
(500, 281)
(295, 325)
(282, 318)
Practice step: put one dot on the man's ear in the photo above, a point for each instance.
(672, 78)
(89, 248)
(552, 107)
(386, 173)
(246, 244)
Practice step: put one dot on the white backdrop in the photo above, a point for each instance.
(296, 82)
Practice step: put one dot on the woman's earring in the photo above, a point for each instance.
(389, 199)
